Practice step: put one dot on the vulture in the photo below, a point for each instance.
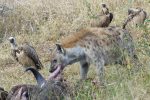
(108, 16)
(104, 19)
(136, 16)
(25, 54)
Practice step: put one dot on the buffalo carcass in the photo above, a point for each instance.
(3, 94)
(44, 90)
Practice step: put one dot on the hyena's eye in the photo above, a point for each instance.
(54, 61)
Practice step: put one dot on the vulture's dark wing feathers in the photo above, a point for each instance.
(31, 53)
(111, 17)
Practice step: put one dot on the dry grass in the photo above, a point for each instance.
(43, 22)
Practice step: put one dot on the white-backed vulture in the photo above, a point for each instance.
(136, 16)
(25, 55)
(104, 19)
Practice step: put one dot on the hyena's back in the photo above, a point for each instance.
(107, 43)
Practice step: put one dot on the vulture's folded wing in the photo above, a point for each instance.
(30, 51)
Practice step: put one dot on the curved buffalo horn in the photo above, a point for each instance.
(39, 78)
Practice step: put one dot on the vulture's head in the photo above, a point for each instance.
(133, 11)
(103, 5)
(11, 40)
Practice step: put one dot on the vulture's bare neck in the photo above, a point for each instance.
(13, 45)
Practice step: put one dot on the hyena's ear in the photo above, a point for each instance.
(60, 49)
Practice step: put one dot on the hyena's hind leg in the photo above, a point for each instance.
(133, 55)
(129, 45)
(84, 67)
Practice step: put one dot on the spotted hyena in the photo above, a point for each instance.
(101, 46)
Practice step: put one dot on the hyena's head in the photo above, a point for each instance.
(58, 58)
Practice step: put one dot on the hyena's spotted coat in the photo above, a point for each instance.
(101, 46)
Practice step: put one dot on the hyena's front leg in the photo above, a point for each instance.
(100, 70)
(84, 67)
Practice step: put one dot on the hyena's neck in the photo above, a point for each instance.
(74, 55)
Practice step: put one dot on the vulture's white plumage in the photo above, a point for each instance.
(25, 55)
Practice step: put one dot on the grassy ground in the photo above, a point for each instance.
(43, 22)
